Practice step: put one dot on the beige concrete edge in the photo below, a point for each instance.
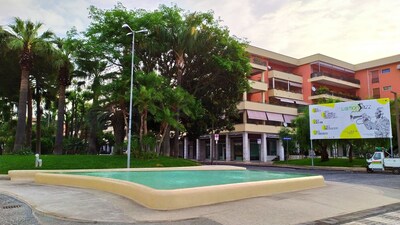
(4, 177)
(29, 175)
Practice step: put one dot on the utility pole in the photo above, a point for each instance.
(396, 107)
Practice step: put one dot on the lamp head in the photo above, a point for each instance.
(127, 26)
(145, 31)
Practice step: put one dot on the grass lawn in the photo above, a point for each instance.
(50, 162)
(332, 162)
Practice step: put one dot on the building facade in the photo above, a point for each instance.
(280, 87)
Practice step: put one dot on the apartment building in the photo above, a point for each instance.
(280, 87)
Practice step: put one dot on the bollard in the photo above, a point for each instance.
(38, 162)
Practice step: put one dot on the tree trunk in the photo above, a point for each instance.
(175, 150)
(28, 134)
(324, 153)
(141, 129)
(92, 138)
(166, 143)
(60, 121)
(180, 62)
(350, 153)
(21, 123)
(66, 126)
(92, 141)
(164, 127)
(118, 123)
(38, 124)
(72, 127)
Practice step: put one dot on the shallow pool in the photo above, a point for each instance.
(170, 180)
(177, 188)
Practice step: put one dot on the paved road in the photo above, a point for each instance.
(388, 215)
(387, 180)
(387, 218)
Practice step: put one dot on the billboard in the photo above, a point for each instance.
(351, 120)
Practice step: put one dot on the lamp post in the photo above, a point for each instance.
(396, 107)
(128, 151)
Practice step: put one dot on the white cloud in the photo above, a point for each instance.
(349, 30)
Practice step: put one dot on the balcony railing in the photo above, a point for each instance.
(349, 79)
(337, 94)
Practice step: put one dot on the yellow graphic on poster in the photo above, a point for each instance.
(350, 132)
(351, 120)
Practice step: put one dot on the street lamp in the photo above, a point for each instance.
(396, 107)
(128, 151)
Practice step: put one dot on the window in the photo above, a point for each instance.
(377, 156)
(387, 70)
(387, 88)
(375, 76)
(376, 93)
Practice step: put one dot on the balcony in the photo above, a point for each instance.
(257, 128)
(256, 106)
(285, 94)
(257, 68)
(333, 80)
(285, 76)
(323, 94)
(257, 86)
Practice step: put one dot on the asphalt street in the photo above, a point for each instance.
(381, 179)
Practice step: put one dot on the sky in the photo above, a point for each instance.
(353, 31)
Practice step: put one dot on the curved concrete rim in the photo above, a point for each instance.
(182, 198)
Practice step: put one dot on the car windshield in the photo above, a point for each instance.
(377, 156)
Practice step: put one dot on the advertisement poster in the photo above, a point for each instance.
(351, 120)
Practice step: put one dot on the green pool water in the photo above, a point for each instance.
(177, 179)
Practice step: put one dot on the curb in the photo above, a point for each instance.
(4, 177)
(356, 215)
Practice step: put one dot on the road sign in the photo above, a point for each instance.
(216, 137)
(287, 138)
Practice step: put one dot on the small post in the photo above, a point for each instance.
(287, 150)
(396, 108)
(312, 154)
(38, 161)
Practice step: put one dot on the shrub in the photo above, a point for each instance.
(73, 145)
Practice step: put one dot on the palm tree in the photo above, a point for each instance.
(25, 38)
(91, 65)
(65, 67)
(147, 95)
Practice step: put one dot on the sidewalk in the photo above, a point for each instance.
(82, 205)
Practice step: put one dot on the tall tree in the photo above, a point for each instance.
(26, 39)
(190, 49)
(92, 65)
(154, 96)
(203, 58)
(43, 85)
(65, 68)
